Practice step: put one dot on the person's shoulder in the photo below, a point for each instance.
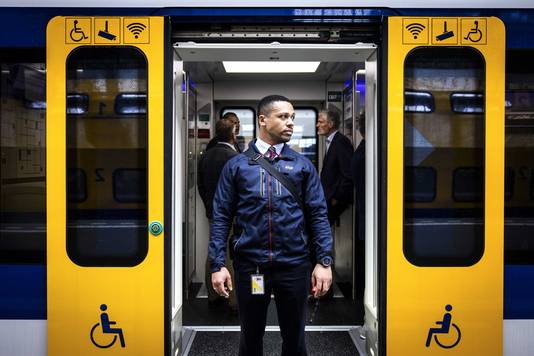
(299, 157)
(342, 138)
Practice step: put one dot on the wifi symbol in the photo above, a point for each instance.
(415, 29)
(136, 28)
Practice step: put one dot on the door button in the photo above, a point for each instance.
(155, 228)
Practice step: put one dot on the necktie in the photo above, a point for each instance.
(271, 154)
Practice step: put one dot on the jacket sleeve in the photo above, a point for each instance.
(316, 215)
(344, 187)
(224, 208)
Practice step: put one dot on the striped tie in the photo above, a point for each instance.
(271, 154)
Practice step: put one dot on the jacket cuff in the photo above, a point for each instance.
(216, 267)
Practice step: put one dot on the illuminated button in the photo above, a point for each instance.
(155, 228)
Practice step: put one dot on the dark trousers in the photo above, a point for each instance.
(290, 286)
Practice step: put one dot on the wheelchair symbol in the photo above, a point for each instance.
(446, 324)
(77, 34)
(474, 34)
(105, 328)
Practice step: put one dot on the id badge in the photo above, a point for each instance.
(256, 281)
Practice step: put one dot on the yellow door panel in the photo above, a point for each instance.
(105, 164)
(445, 186)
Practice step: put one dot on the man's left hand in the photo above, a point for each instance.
(321, 280)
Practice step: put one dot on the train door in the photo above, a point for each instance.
(109, 187)
(444, 192)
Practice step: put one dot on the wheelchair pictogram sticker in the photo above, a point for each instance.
(474, 31)
(78, 30)
(448, 335)
(102, 334)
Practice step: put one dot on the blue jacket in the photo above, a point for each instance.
(270, 227)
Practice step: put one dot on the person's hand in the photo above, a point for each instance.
(222, 282)
(321, 280)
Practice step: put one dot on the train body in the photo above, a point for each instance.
(107, 153)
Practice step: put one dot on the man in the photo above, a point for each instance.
(335, 174)
(209, 170)
(271, 233)
(232, 117)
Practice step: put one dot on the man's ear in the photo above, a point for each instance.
(261, 120)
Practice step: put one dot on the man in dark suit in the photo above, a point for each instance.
(335, 174)
(209, 169)
(232, 117)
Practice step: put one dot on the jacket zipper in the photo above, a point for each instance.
(262, 182)
(270, 220)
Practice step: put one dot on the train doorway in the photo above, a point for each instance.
(345, 80)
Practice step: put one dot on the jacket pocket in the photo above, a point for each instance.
(238, 241)
(303, 238)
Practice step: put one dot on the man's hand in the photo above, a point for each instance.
(321, 280)
(218, 281)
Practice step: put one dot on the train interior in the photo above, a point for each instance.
(337, 82)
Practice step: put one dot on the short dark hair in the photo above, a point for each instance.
(224, 129)
(332, 116)
(232, 116)
(265, 104)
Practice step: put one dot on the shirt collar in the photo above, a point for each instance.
(331, 136)
(227, 144)
(263, 146)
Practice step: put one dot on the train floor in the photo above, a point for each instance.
(332, 326)
(226, 343)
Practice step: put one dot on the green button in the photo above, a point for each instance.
(155, 228)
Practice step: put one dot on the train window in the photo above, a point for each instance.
(417, 101)
(448, 229)
(519, 158)
(420, 184)
(129, 185)
(109, 226)
(304, 139)
(468, 184)
(131, 103)
(77, 104)
(247, 126)
(509, 179)
(467, 103)
(77, 185)
(22, 157)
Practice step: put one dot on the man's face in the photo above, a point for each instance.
(237, 124)
(278, 124)
(324, 126)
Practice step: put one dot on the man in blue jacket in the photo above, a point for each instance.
(271, 233)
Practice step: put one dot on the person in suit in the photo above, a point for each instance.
(358, 176)
(232, 117)
(335, 174)
(210, 167)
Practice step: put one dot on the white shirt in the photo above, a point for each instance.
(227, 144)
(263, 146)
(329, 139)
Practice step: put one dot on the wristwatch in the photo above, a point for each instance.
(326, 261)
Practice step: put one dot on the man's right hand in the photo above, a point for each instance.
(219, 280)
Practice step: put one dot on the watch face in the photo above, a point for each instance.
(327, 261)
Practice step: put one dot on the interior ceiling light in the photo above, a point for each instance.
(270, 67)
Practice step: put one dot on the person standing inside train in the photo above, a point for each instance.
(271, 232)
(209, 169)
(233, 118)
(335, 174)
